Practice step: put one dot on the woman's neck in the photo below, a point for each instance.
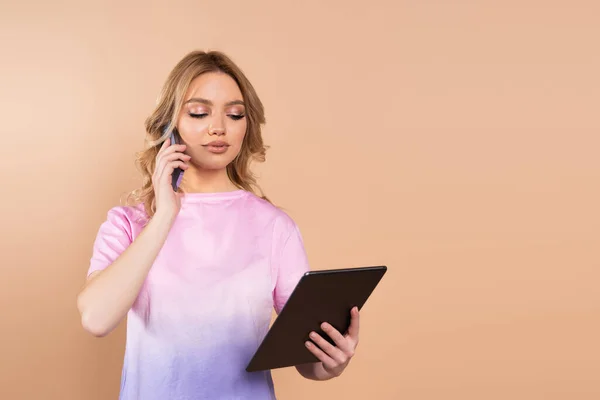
(197, 180)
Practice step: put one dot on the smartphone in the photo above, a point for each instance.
(178, 172)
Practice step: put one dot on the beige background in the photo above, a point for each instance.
(456, 142)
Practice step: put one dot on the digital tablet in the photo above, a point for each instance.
(319, 296)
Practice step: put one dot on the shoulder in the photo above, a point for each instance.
(130, 218)
(281, 225)
(280, 218)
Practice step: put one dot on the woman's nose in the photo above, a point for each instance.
(216, 130)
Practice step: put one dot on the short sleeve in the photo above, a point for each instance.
(114, 236)
(291, 264)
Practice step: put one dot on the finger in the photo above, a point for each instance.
(165, 144)
(354, 324)
(339, 339)
(165, 159)
(170, 167)
(170, 149)
(332, 351)
(321, 355)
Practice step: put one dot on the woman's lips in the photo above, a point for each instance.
(217, 147)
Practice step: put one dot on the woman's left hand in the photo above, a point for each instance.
(335, 359)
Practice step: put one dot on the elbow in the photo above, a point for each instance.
(90, 321)
(93, 326)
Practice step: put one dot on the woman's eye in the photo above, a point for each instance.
(236, 116)
(197, 115)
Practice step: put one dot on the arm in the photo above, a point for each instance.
(291, 263)
(110, 293)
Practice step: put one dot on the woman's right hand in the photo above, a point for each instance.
(168, 158)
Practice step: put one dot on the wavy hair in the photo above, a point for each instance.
(170, 101)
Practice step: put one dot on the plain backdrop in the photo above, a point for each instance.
(456, 142)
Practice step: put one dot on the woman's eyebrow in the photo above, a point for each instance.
(210, 103)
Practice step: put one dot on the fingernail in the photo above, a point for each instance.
(313, 335)
(308, 344)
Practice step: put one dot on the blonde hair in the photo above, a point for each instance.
(170, 101)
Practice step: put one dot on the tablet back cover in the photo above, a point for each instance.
(320, 296)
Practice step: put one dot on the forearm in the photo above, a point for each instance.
(109, 295)
(314, 371)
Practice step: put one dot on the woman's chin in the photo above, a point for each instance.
(211, 166)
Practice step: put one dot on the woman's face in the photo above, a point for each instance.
(212, 122)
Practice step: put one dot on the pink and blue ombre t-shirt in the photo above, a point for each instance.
(206, 304)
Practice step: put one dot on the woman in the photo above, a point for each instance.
(197, 270)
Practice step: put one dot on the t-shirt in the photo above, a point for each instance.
(229, 259)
